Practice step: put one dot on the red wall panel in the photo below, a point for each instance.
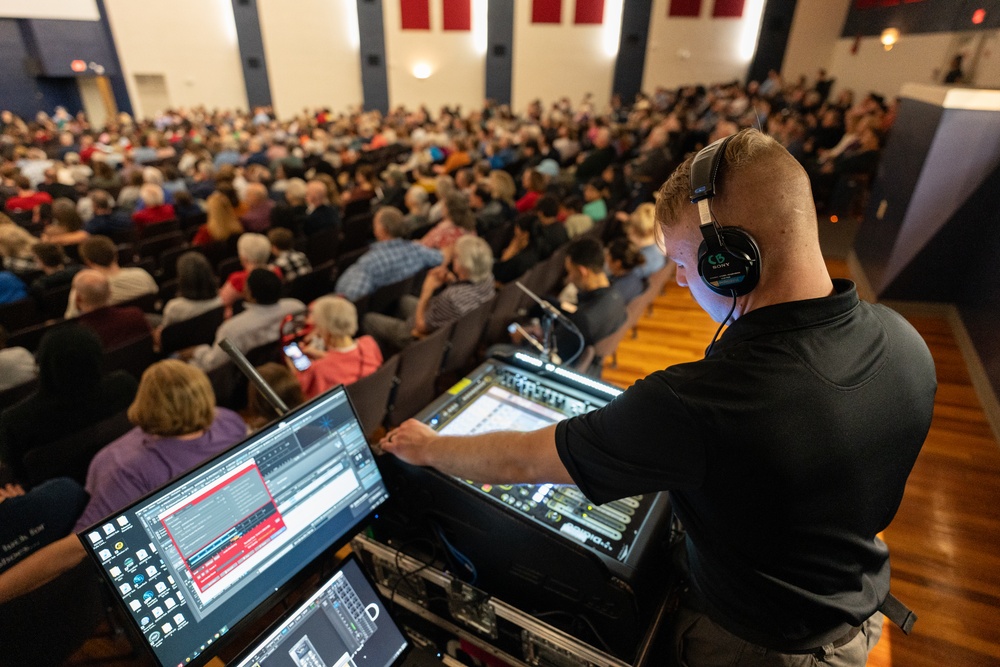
(590, 12)
(546, 11)
(457, 14)
(416, 14)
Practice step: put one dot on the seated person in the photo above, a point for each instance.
(106, 220)
(254, 251)
(177, 426)
(444, 298)
(256, 208)
(99, 253)
(458, 221)
(292, 214)
(66, 227)
(57, 269)
(258, 324)
(593, 196)
(292, 262)
(11, 288)
(30, 521)
(114, 325)
(154, 210)
(185, 207)
(389, 260)
(15, 247)
(553, 233)
(17, 364)
(320, 215)
(259, 412)
(523, 251)
(337, 356)
(73, 393)
(623, 264)
(641, 231)
(197, 290)
(599, 310)
(221, 222)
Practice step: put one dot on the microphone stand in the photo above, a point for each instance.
(551, 316)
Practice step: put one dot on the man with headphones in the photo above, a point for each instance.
(785, 450)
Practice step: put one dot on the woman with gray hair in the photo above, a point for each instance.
(254, 251)
(337, 356)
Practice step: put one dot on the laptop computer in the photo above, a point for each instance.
(343, 624)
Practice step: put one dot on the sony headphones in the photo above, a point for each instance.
(728, 257)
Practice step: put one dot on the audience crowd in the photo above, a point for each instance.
(297, 227)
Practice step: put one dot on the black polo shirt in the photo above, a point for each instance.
(785, 451)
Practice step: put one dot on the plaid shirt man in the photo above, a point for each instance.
(385, 263)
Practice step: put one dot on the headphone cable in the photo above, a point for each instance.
(722, 324)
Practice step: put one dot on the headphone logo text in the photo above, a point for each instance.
(717, 259)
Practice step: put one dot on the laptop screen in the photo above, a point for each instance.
(343, 623)
(196, 557)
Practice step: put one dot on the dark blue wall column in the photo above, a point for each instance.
(499, 50)
(631, 60)
(374, 78)
(117, 81)
(252, 53)
(775, 27)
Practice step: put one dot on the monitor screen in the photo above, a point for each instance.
(196, 557)
(343, 623)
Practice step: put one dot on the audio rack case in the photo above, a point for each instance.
(435, 608)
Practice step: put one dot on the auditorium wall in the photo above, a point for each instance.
(191, 44)
(435, 67)
(683, 51)
(313, 57)
(556, 60)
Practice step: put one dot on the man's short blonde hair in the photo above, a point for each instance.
(174, 398)
(745, 148)
(335, 315)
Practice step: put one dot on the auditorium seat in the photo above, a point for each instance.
(465, 338)
(323, 246)
(371, 395)
(19, 314)
(12, 395)
(188, 333)
(133, 357)
(310, 286)
(71, 456)
(419, 364)
(158, 229)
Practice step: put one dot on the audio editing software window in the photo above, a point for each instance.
(497, 409)
(217, 542)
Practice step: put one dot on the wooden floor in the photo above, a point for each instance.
(945, 540)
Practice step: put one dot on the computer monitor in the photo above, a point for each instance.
(342, 623)
(206, 553)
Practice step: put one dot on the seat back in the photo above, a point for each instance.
(12, 395)
(419, 365)
(71, 456)
(228, 266)
(505, 308)
(158, 229)
(323, 246)
(19, 314)
(195, 331)
(134, 357)
(53, 302)
(371, 395)
(74, 597)
(465, 337)
(310, 286)
(153, 246)
(385, 299)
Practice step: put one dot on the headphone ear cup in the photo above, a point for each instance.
(733, 267)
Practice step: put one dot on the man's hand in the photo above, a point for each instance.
(410, 442)
(10, 491)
